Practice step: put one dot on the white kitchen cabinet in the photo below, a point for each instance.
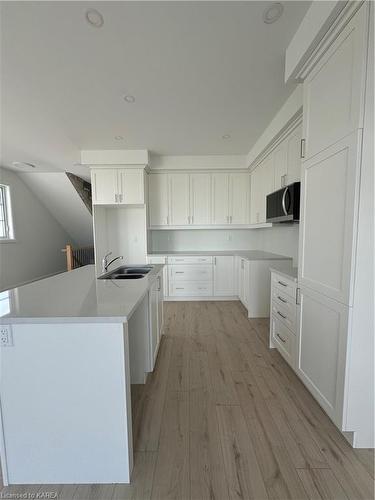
(293, 156)
(243, 281)
(200, 199)
(262, 184)
(179, 199)
(104, 186)
(224, 275)
(117, 186)
(154, 321)
(220, 198)
(334, 89)
(158, 199)
(239, 193)
(329, 210)
(284, 340)
(131, 186)
(321, 354)
(161, 259)
(280, 165)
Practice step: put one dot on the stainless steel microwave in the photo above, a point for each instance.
(283, 204)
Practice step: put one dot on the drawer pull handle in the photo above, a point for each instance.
(282, 300)
(282, 315)
(200, 288)
(180, 272)
(280, 337)
(179, 288)
(281, 283)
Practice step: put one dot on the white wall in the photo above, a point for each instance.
(59, 196)
(281, 239)
(39, 238)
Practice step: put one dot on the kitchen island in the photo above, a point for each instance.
(71, 346)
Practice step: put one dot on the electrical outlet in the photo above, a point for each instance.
(6, 338)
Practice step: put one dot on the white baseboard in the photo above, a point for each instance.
(201, 298)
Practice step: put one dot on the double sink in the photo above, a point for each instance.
(127, 273)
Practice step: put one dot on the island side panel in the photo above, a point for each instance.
(65, 399)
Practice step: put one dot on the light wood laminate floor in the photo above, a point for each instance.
(224, 417)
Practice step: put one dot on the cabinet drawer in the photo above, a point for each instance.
(193, 259)
(190, 273)
(284, 307)
(157, 259)
(284, 340)
(284, 284)
(190, 289)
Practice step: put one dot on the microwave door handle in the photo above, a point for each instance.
(283, 201)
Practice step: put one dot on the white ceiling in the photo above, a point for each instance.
(198, 70)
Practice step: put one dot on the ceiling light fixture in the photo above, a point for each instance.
(94, 18)
(273, 12)
(119, 138)
(129, 99)
(23, 164)
(225, 137)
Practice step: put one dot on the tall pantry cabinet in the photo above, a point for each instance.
(334, 85)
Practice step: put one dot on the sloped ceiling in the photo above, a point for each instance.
(198, 71)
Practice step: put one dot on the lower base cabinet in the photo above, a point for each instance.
(284, 340)
(224, 276)
(322, 343)
(156, 317)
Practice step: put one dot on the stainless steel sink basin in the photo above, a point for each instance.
(115, 276)
(127, 273)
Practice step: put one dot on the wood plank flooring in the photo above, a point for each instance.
(223, 417)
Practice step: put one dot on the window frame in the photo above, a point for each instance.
(8, 214)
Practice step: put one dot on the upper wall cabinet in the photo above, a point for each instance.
(179, 199)
(198, 199)
(287, 159)
(158, 199)
(262, 183)
(334, 89)
(117, 186)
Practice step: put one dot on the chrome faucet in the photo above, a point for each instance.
(106, 264)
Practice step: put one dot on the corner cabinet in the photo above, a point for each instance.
(118, 186)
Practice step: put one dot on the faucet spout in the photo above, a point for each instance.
(106, 264)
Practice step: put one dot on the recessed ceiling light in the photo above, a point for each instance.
(129, 99)
(22, 164)
(225, 136)
(119, 138)
(94, 18)
(273, 12)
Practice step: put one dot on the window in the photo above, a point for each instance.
(4, 303)
(6, 223)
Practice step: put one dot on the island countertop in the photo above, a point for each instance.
(77, 297)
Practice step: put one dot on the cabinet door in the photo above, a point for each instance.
(255, 192)
(280, 165)
(267, 186)
(154, 322)
(321, 352)
(200, 199)
(104, 186)
(220, 198)
(224, 275)
(160, 304)
(158, 199)
(131, 186)
(328, 228)
(179, 199)
(334, 90)
(293, 156)
(239, 198)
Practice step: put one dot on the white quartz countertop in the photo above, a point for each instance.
(246, 254)
(78, 297)
(291, 273)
